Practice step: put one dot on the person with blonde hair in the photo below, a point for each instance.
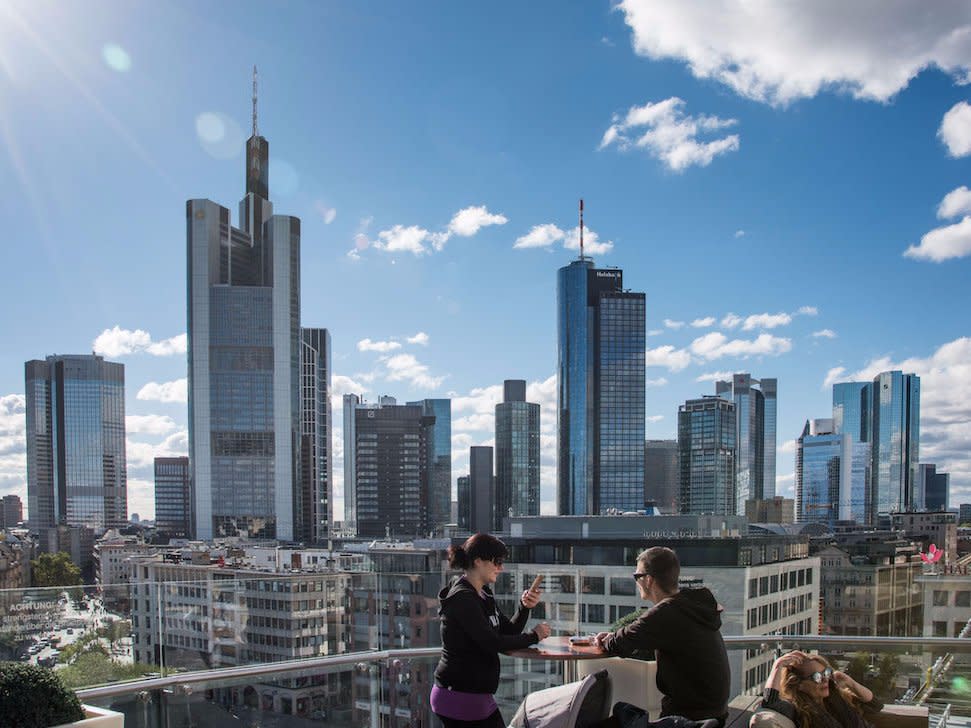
(807, 690)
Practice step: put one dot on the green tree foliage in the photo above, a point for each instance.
(94, 667)
(35, 697)
(881, 677)
(55, 570)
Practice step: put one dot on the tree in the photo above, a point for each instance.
(55, 570)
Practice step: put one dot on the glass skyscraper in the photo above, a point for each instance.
(76, 465)
(601, 373)
(517, 453)
(438, 487)
(316, 437)
(819, 453)
(244, 362)
(173, 514)
(755, 432)
(482, 491)
(706, 456)
(662, 477)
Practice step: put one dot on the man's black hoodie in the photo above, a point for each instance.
(474, 632)
(692, 665)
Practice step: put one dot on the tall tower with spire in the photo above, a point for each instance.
(244, 358)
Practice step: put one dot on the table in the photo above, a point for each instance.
(559, 649)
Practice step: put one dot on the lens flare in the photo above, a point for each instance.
(219, 135)
(284, 180)
(116, 57)
(961, 685)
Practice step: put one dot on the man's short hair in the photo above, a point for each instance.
(661, 563)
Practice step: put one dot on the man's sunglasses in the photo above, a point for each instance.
(640, 574)
(820, 675)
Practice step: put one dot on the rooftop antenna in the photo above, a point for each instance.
(255, 133)
(581, 217)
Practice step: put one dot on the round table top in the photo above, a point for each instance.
(557, 648)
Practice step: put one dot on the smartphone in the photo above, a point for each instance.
(581, 641)
(536, 583)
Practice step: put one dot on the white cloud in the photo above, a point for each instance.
(703, 323)
(420, 338)
(141, 498)
(149, 424)
(116, 342)
(673, 324)
(739, 233)
(592, 244)
(655, 332)
(716, 345)
(405, 367)
(777, 53)
(175, 391)
(382, 347)
(411, 239)
(788, 446)
(659, 382)
(670, 135)
(654, 418)
(714, 377)
(955, 129)
(731, 321)
(785, 485)
(956, 202)
(766, 321)
(667, 356)
(944, 243)
(469, 221)
(824, 334)
(327, 214)
(832, 376)
(540, 236)
(341, 385)
(807, 311)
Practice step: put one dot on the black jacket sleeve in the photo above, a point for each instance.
(517, 623)
(464, 611)
(771, 700)
(641, 635)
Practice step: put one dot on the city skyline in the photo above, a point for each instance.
(427, 214)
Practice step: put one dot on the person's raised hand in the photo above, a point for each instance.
(542, 631)
(529, 598)
(791, 659)
(843, 680)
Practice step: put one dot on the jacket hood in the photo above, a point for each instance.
(456, 586)
(700, 606)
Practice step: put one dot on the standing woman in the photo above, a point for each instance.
(474, 632)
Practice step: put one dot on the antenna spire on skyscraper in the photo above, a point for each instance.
(581, 228)
(255, 132)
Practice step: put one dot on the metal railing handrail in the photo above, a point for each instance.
(264, 669)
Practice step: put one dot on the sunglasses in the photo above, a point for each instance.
(640, 574)
(820, 675)
(498, 562)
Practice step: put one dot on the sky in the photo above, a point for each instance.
(787, 183)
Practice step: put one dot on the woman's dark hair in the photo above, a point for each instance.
(478, 546)
(661, 563)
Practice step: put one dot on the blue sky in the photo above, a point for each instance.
(731, 163)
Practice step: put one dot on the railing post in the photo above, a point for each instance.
(374, 670)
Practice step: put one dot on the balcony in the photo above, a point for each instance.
(164, 664)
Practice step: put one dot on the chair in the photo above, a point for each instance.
(632, 681)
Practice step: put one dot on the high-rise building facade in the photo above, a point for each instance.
(316, 438)
(818, 457)
(894, 441)
(517, 452)
(350, 405)
(482, 491)
(706, 456)
(464, 504)
(244, 361)
(173, 513)
(755, 435)
(933, 488)
(601, 373)
(11, 511)
(662, 476)
(389, 451)
(76, 465)
(438, 488)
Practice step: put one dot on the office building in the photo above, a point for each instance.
(770, 510)
(964, 513)
(817, 485)
(464, 505)
(930, 527)
(244, 359)
(706, 456)
(316, 494)
(482, 492)
(662, 476)
(11, 511)
(517, 452)
(947, 607)
(173, 510)
(755, 435)
(438, 486)
(387, 445)
(600, 391)
(933, 488)
(76, 466)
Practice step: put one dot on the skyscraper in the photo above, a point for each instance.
(706, 456)
(244, 361)
(389, 451)
(316, 437)
(438, 486)
(894, 441)
(173, 514)
(600, 391)
(464, 504)
(662, 476)
(933, 488)
(755, 433)
(482, 491)
(76, 465)
(818, 459)
(517, 452)
(350, 404)
(11, 511)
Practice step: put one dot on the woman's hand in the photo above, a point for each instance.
(789, 661)
(845, 682)
(542, 631)
(529, 598)
(598, 639)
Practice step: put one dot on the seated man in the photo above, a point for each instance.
(682, 629)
